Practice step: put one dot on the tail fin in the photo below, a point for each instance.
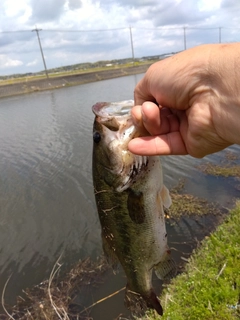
(138, 304)
(154, 303)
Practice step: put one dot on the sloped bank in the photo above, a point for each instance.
(28, 86)
(209, 289)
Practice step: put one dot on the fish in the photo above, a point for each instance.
(130, 198)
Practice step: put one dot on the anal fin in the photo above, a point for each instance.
(166, 268)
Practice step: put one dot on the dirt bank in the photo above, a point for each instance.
(28, 86)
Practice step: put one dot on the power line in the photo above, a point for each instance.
(131, 34)
(122, 28)
(90, 30)
(16, 31)
(202, 28)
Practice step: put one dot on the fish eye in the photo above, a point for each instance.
(96, 137)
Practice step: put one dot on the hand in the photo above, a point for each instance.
(194, 105)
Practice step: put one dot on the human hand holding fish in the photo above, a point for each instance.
(189, 103)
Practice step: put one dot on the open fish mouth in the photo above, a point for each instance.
(113, 109)
(113, 122)
(116, 116)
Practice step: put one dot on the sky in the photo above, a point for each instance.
(77, 31)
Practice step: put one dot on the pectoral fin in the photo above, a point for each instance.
(166, 199)
(166, 269)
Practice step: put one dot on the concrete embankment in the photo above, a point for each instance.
(27, 86)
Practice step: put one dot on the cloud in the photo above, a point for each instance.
(14, 14)
(74, 4)
(67, 35)
(176, 13)
(206, 5)
(127, 3)
(46, 10)
(7, 62)
(229, 4)
(32, 63)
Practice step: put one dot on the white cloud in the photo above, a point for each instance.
(74, 4)
(15, 8)
(157, 27)
(32, 63)
(7, 62)
(206, 5)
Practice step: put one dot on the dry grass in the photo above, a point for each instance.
(221, 170)
(228, 167)
(188, 205)
(53, 299)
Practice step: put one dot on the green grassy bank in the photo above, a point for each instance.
(209, 289)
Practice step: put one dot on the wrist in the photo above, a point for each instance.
(227, 73)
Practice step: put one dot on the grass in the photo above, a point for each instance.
(209, 289)
(59, 74)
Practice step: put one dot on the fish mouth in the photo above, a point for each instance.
(113, 109)
(114, 123)
(116, 116)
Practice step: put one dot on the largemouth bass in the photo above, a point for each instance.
(130, 196)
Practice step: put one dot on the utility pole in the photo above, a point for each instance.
(184, 38)
(220, 34)
(131, 38)
(44, 63)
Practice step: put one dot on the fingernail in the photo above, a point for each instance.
(136, 121)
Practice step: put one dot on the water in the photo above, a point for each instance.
(46, 194)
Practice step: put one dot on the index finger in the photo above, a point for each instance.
(166, 144)
(142, 93)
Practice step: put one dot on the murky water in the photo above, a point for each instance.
(46, 195)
